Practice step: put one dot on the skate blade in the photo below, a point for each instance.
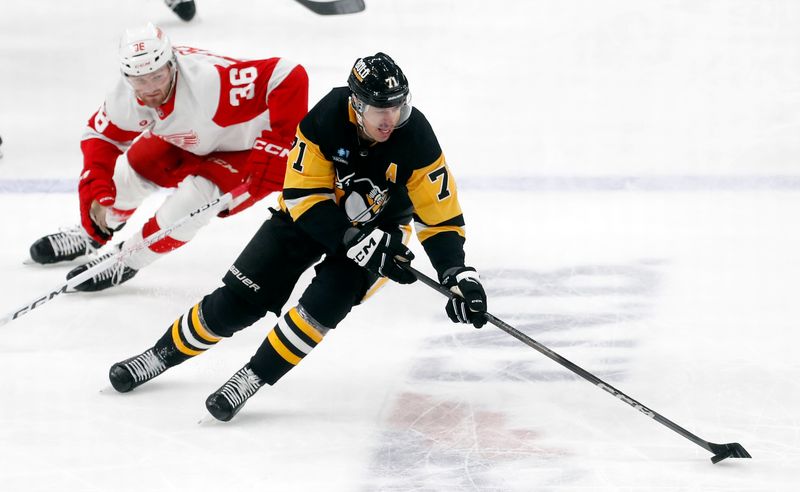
(81, 260)
(207, 419)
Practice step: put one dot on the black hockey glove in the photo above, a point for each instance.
(380, 253)
(469, 302)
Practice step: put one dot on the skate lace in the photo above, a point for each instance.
(241, 386)
(70, 241)
(114, 272)
(146, 366)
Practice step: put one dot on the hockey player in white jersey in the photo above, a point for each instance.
(179, 118)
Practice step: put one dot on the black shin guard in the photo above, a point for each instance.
(225, 313)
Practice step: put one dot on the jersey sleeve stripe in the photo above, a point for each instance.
(91, 134)
(279, 73)
(295, 193)
(424, 232)
(298, 207)
(457, 221)
(101, 126)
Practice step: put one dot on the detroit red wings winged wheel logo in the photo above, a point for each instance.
(182, 140)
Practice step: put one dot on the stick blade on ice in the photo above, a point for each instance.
(336, 7)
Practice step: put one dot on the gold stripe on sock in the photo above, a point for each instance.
(199, 328)
(176, 339)
(281, 349)
(305, 326)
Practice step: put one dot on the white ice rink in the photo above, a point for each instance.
(629, 175)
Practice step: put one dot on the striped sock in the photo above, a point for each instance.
(295, 335)
(187, 337)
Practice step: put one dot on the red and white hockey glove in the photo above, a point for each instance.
(266, 176)
(267, 168)
(93, 187)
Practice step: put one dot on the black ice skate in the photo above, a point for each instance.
(65, 245)
(136, 371)
(111, 276)
(226, 402)
(185, 9)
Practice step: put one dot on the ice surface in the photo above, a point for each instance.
(628, 172)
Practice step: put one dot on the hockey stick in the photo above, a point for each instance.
(336, 7)
(720, 451)
(213, 205)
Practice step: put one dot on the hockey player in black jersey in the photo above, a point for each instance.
(364, 164)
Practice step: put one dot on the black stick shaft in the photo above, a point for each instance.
(570, 365)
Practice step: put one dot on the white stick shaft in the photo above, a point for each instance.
(213, 205)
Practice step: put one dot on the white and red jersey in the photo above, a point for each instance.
(218, 104)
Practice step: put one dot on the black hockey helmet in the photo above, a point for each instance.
(378, 81)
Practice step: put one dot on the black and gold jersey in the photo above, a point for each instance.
(336, 180)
